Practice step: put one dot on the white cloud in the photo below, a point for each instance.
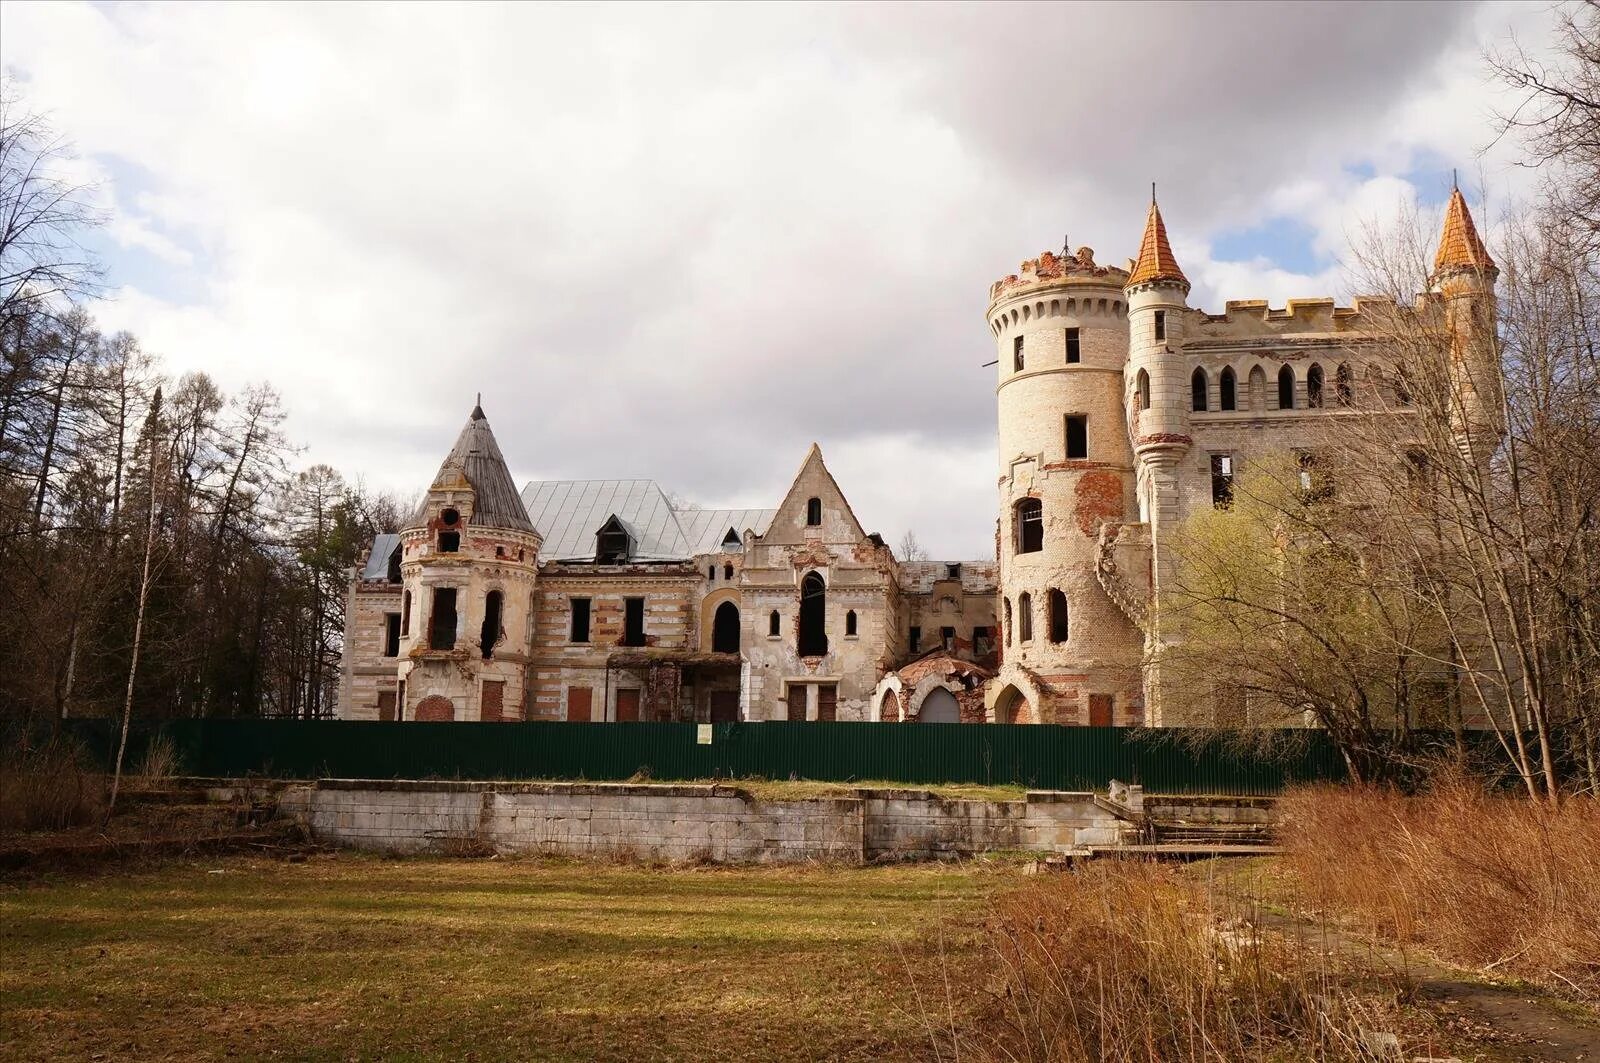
(684, 242)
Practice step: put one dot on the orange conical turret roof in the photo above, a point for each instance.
(1459, 245)
(1156, 260)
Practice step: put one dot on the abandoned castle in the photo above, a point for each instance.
(1121, 411)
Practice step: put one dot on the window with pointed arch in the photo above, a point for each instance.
(1058, 616)
(1198, 386)
(1228, 390)
(1344, 385)
(725, 629)
(813, 635)
(1028, 525)
(1314, 387)
(1024, 617)
(1285, 388)
(774, 624)
(1141, 391)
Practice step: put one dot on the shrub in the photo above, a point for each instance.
(49, 787)
(1499, 883)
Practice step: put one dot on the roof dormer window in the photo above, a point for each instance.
(731, 540)
(612, 543)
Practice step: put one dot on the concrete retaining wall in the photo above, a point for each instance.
(689, 822)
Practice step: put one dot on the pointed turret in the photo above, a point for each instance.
(1156, 261)
(1460, 247)
(476, 464)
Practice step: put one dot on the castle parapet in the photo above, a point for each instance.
(1050, 268)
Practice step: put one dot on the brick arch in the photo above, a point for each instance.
(435, 708)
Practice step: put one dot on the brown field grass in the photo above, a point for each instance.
(1494, 883)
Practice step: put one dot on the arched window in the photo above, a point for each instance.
(490, 632)
(850, 622)
(814, 513)
(1197, 390)
(1058, 616)
(1142, 391)
(1258, 389)
(725, 629)
(405, 613)
(1314, 387)
(711, 573)
(1228, 390)
(1007, 602)
(727, 571)
(772, 624)
(813, 640)
(1028, 518)
(1343, 384)
(1286, 388)
(1402, 387)
(1024, 617)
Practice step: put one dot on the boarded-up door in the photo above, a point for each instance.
(1099, 710)
(724, 706)
(627, 706)
(580, 704)
(386, 705)
(797, 703)
(827, 702)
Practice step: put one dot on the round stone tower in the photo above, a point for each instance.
(469, 558)
(1069, 654)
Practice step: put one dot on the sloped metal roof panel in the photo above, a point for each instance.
(377, 566)
(568, 513)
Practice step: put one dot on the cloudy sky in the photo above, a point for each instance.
(685, 242)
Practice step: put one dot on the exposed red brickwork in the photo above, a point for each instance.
(1099, 498)
(627, 706)
(494, 700)
(580, 704)
(436, 709)
(386, 705)
(1165, 437)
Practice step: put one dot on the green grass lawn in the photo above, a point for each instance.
(348, 956)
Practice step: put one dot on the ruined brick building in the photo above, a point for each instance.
(1121, 411)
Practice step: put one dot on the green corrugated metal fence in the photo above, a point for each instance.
(1039, 756)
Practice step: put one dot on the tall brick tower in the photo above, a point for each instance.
(1464, 277)
(1069, 654)
(469, 559)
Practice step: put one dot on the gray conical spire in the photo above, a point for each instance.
(476, 456)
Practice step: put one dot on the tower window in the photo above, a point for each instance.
(449, 542)
(1228, 390)
(1058, 616)
(1161, 326)
(1007, 603)
(1016, 355)
(1141, 387)
(1286, 388)
(850, 622)
(1074, 347)
(391, 634)
(1221, 480)
(442, 630)
(405, 613)
(1198, 385)
(1025, 617)
(633, 621)
(489, 634)
(813, 512)
(1077, 436)
(772, 624)
(1028, 518)
(813, 640)
(711, 573)
(579, 627)
(1314, 387)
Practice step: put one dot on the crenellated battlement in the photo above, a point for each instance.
(1246, 318)
(1053, 268)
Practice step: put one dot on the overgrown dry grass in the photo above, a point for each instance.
(1127, 961)
(49, 788)
(1490, 882)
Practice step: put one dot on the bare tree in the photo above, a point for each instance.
(911, 548)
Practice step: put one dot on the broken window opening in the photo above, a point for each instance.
(1025, 617)
(725, 629)
(1314, 387)
(947, 639)
(1222, 480)
(813, 641)
(774, 625)
(850, 622)
(813, 512)
(1016, 355)
(1285, 388)
(1077, 436)
(633, 622)
(1228, 390)
(727, 571)
(442, 630)
(1074, 346)
(489, 634)
(611, 547)
(405, 613)
(982, 642)
(1198, 385)
(578, 630)
(1141, 391)
(916, 639)
(952, 572)
(391, 634)
(1007, 622)
(449, 517)
(1058, 616)
(1028, 518)
(449, 542)
(1343, 384)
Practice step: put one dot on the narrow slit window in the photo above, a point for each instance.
(1074, 347)
(633, 621)
(1016, 355)
(947, 638)
(1161, 326)
(1228, 390)
(850, 622)
(1025, 617)
(1077, 436)
(773, 624)
(916, 639)
(814, 513)
(579, 631)
(1058, 616)
(405, 613)
(1343, 384)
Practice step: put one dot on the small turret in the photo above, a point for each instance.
(1156, 388)
(1464, 276)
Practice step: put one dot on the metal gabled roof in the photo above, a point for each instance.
(377, 566)
(568, 513)
(704, 529)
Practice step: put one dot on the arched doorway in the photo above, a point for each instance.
(940, 706)
(435, 708)
(1012, 707)
(725, 629)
